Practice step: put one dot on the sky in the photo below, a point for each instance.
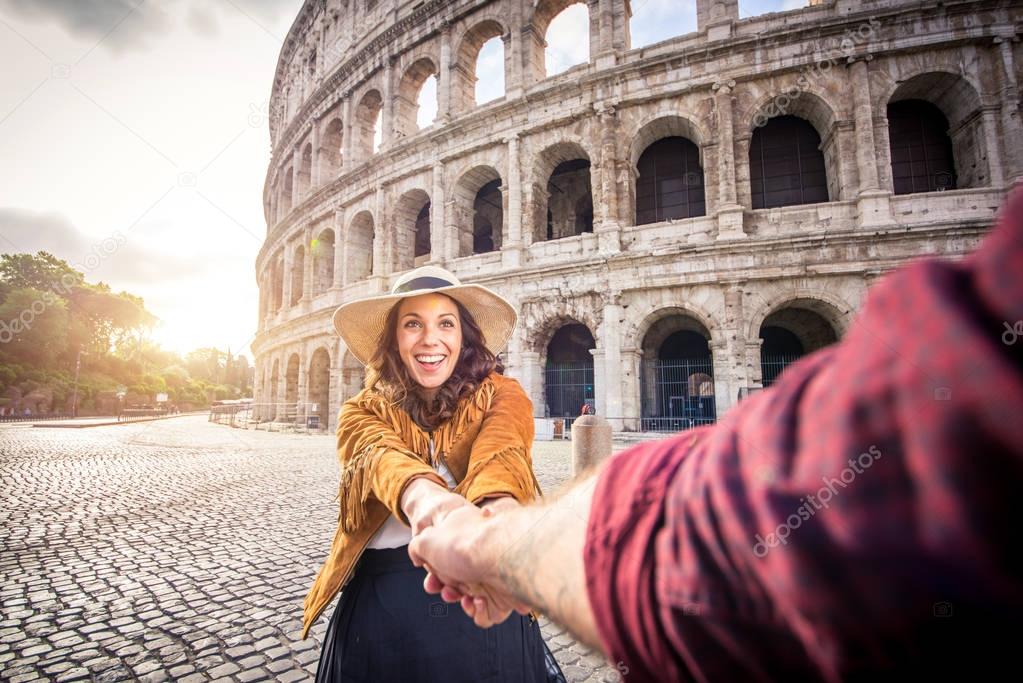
(134, 141)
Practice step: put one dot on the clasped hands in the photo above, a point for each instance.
(454, 541)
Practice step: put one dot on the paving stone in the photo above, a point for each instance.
(180, 549)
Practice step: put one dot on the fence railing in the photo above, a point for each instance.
(772, 365)
(35, 418)
(271, 417)
(567, 386)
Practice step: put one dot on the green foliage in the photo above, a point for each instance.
(51, 318)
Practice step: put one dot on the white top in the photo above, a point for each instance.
(394, 534)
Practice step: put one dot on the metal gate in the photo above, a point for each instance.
(771, 365)
(677, 394)
(567, 385)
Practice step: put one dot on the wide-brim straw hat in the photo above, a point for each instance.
(361, 323)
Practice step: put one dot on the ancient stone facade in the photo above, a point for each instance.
(675, 223)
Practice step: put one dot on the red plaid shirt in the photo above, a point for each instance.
(855, 520)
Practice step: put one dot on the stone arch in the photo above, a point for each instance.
(479, 210)
(359, 238)
(777, 116)
(652, 201)
(464, 69)
(331, 148)
(367, 121)
(561, 174)
(277, 282)
(322, 251)
(305, 171)
(291, 379)
(792, 329)
(407, 100)
(287, 191)
(959, 101)
(544, 13)
(412, 229)
(319, 385)
(569, 369)
(834, 309)
(677, 382)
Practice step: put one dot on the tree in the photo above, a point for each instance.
(33, 326)
(43, 271)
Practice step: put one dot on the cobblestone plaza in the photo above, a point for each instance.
(178, 550)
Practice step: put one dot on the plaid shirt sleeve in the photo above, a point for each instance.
(856, 519)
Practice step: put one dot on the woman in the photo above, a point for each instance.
(437, 427)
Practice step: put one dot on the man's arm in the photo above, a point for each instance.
(531, 555)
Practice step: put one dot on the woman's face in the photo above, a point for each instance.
(429, 339)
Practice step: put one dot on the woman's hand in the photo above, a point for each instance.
(425, 503)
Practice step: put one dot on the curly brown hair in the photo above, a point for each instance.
(388, 374)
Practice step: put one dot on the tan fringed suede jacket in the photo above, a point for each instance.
(486, 445)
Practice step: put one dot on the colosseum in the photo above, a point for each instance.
(675, 222)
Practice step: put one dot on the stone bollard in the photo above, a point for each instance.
(591, 442)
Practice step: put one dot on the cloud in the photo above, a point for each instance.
(119, 24)
(122, 260)
(125, 25)
(202, 21)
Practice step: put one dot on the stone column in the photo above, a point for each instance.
(611, 341)
(381, 237)
(989, 119)
(346, 128)
(724, 386)
(387, 122)
(599, 381)
(314, 170)
(729, 215)
(531, 378)
(873, 204)
(438, 230)
(296, 167)
(601, 32)
(1011, 125)
(609, 229)
(288, 262)
(631, 365)
(338, 222)
(716, 17)
(514, 82)
(307, 274)
(444, 74)
(511, 241)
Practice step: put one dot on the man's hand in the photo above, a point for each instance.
(461, 556)
(519, 558)
(425, 504)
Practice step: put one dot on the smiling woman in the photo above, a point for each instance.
(437, 428)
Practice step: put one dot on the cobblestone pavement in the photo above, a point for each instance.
(177, 550)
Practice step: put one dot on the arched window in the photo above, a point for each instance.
(921, 149)
(787, 164)
(677, 375)
(568, 39)
(670, 183)
(488, 217)
(789, 333)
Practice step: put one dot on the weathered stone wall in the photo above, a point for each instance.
(837, 65)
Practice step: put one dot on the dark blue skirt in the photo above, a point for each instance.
(387, 628)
